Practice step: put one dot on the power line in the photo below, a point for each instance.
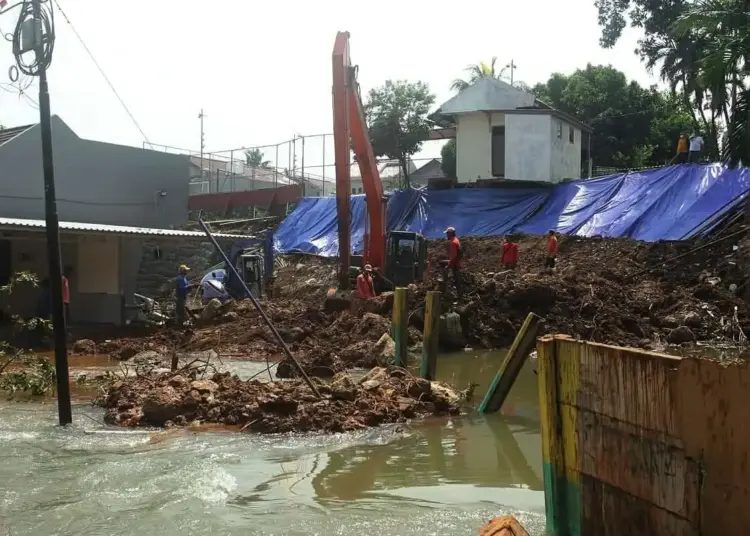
(101, 71)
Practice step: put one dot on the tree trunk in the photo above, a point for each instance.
(405, 169)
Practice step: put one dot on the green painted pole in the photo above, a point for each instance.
(428, 369)
(511, 367)
(399, 326)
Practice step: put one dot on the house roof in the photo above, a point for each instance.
(22, 224)
(7, 134)
(492, 95)
(487, 94)
(431, 170)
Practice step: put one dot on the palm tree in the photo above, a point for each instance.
(724, 27)
(254, 158)
(476, 72)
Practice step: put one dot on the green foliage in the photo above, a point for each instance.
(21, 371)
(633, 126)
(476, 72)
(700, 48)
(448, 159)
(397, 119)
(254, 158)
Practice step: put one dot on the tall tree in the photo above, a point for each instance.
(723, 29)
(623, 115)
(397, 119)
(476, 72)
(254, 158)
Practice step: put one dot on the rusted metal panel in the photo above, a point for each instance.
(608, 511)
(623, 383)
(650, 469)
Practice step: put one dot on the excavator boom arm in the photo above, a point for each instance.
(350, 133)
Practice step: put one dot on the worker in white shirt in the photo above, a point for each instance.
(696, 147)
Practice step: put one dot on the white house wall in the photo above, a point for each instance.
(527, 147)
(474, 145)
(565, 157)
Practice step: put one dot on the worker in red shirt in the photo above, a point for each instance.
(509, 254)
(454, 257)
(365, 285)
(551, 250)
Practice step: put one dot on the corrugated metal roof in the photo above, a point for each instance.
(78, 227)
(7, 134)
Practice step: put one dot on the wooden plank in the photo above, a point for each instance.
(512, 364)
(431, 335)
(399, 327)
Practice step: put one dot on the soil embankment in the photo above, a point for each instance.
(601, 291)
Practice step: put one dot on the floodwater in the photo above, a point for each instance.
(442, 476)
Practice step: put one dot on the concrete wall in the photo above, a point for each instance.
(565, 156)
(473, 147)
(527, 147)
(95, 182)
(640, 443)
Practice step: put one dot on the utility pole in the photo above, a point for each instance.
(52, 224)
(512, 66)
(203, 146)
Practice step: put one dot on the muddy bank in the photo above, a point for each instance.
(594, 294)
(382, 396)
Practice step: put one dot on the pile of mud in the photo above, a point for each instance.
(382, 396)
(602, 290)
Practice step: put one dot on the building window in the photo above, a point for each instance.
(359, 190)
(571, 135)
(354, 191)
(559, 131)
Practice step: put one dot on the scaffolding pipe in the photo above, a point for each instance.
(256, 304)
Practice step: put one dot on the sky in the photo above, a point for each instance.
(261, 71)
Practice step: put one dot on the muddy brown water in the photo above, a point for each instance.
(444, 476)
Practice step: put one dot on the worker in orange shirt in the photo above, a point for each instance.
(454, 257)
(682, 150)
(509, 254)
(551, 250)
(365, 284)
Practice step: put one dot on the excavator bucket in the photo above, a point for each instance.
(338, 300)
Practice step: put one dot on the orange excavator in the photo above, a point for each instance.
(398, 258)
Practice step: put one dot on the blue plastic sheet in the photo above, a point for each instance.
(671, 203)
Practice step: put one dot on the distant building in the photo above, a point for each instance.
(503, 132)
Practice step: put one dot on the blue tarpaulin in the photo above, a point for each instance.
(671, 203)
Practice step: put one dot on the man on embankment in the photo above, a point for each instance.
(454, 258)
(181, 292)
(365, 283)
(509, 254)
(551, 261)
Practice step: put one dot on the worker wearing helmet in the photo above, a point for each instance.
(454, 257)
(365, 284)
(551, 260)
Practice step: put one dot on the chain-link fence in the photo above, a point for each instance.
(306, 160)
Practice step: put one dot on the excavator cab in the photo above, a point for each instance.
(406, 258)
(252, 270)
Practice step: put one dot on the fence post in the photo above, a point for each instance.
(428, 369)
(399, 326)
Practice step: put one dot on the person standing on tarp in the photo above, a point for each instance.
(696, 147)
(455, 255)
(682, 150)
(509, 254)
(181, 291)
(551, 261)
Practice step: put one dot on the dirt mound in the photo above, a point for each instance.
(596, 292)
(382, 396)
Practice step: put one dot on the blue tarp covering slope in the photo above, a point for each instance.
(670, 203)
